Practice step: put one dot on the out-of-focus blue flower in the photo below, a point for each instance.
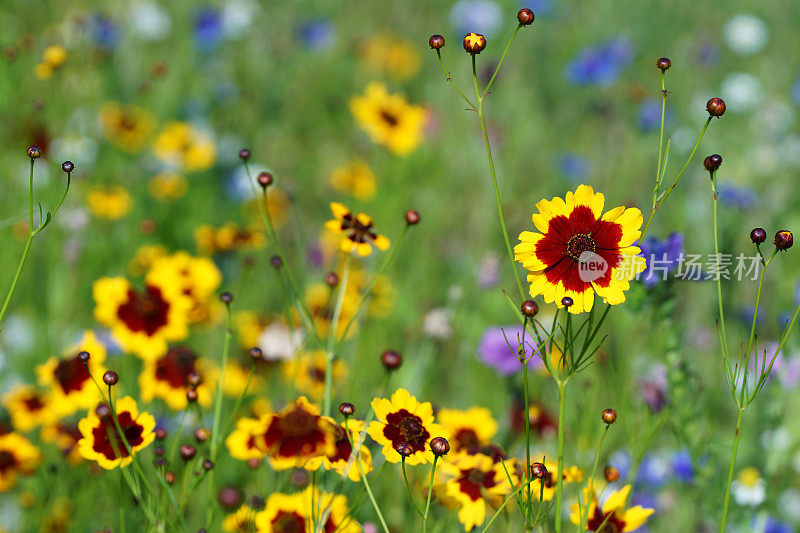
(746, 316)
(105, 33)
(479, 16)
(650, 115)
(539, 7)
(621, 460)
(208, 30)
(646, 500)
(574, 167)
(682, 466)
(600, 65)
(708, 55)
(662, 258)
(766, 524)
(736, 196)
(317, 35)
(493, 350)
(653, 471)
(796, 91)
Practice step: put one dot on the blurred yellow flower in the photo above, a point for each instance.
(355, 178)
(112, 202)
(126, 126)
(307, 373)
(277, 205)
(145, 257)
(185, 147)
(167, 186)
(97, 445)
(53, 57)
(197, 277)
(393, 55)
(19, 455)
(227, 238)
(28, 407)
(389, 119)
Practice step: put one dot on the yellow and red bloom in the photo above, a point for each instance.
(102, 442)
(612, 515)
(242, 443)
(355, 178)
(286, 513)
(358, 231)
(17, 456)
(167, 378)
(227, 238)
(28, 407)
(307, 372)
(143, 322)
(340, 459)
(184, 147)
(580, 251)
(68, 379)
(471, 483)
(65, 436)
(469, 430)
(296, 434)
(546, 488)
(404, 419)
(389, 119)
(199, 278)
(242, 521)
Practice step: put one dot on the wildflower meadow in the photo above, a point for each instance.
(394, 267)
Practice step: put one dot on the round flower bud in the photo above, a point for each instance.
(712, 162)
(716, 107)
(34, 152)
(161, 433)
(265, 179)
(229, 497)
(538, 470)
(102, 410)
(412, 217)
(611, 474)
(67, 166)
(566, 301)
(474, 43)
(256, 353)
(187, 452)
(276, 261)
(194, 379)
(525, 17)
(158, 450)
(170, 478)
(439, 446)
(609, 416)
(207, 464)
(331, 279)
(226, 297)
(347, 409)
(391, 360)
(110, 378)
(529, 308)
(159, 462)
(664, 63)
(254, 463)
(191, 395)
(783, 239)
(436, 42)
(83, 357)
(201, 434)
(404, 449)
(244, 154)
(758, 235)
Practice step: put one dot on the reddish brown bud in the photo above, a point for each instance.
(226, 297)
(67, 166)
(474, 43)
(187, 452)
(201, 434)
(83, 357)
(404, 449)
(256, 353)
(412, 217)
(440, 446)
(244, 154)
(436, 41)
(783, 240)
(391, 360)
(525, 17)
(712, 162)
(566, 301)
(758, 235)
(609, 416)
(161, 433)
(331, 279)
(611, 474)
(191, 395)
(663, 63)
(170, 478)
(716, 107)
(347, 409)
(529, 308)
(110, 378)
(265, 179)
(538, 471)
(34, 152)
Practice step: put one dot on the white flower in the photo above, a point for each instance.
(278, 342)
(480, 16)
(437, 323)
(749, 488)
(742, 92)
(149, 21)
(18, 333)
(237, 15)
(789, 504)
(74, 147)
(745, 34)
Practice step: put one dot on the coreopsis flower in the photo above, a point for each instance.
(145, 257)
(357, 231)
(471, 483)
(17, 456)
(355, 178)
(68, 379)
(307, 372)
(340, 459)
(391, 54)
(389, 119)
(612, 515)
(241, 521)
(96, 443)
(126, 126)
(28, 407)
(184, 147)
(404, 419)
(142, 322)
(581, 251)
(546, 487)
(199, 279)
(285, 513)
(167, 378)
(242, 442)
(111, 203)
(227, 238)
(65, 436)
(470, 429)
(167, 186)
(296, 434)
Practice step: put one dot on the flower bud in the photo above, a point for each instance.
(161, 433)
(529, 308)
(712, 162)
(783, 239)
(244, 154)
(102, 410)
(331, 279)
(201, 434)
(265, 179)
(256, 353)
(716, 107)
(412, 217)
(194, 379)
(67, 166)
(664, 63)
(191, 395)
(229, 497)
(436, 42)
(758, 235)
(347, 409)
(391, 360)
(110, 378)
(525, 17)
(609, 416)
(611, 474)
(474, 43)
(566, 301)
(538, 470)
(226, 297)
(187, 452)
(158, 450)
(170, 478)
(83, 357)
(207, 464)
(439, 446)
(404, 449)
(34, 152)
(276, 261)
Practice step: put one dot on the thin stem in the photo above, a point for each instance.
(453, 83)
(562, 386)
(591, 479)
(430, 491)
(723, 335)
(527, 432)
(731, 469)
(372, 498)
(331, 353)
(503, 506)
(502, 57)
(661, 135)
(408, 486)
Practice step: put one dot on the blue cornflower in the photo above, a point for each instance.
(317, 35)
(574, 167)
(662, 258)
(736, 196)
(104, 31)
(600, 65)
(208, 30)
(650, 114)
(653, 471)
(682, 466)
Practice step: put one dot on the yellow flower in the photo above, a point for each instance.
(167, 186)
(307, 372)
(228, 238)
(404, 419)
(184, 147)
(355, 178)
(28, 407)
(242, 441)
(112, 202)
(284, 513)
(101, 440)
(65, 436)
(388, 53)
(167, 378)
(340, 459)
(143, 322)
(242, 521)
(572, 474)
(357, 231)
(55, 55)
(612, 516)
(43, 71)
(321, 304)
(388, 119)
(68, 380)
(249, 325)
(470, 430)
(17, 456)
(198, 278)
(126, 126)
(581, 251)
(145, 257)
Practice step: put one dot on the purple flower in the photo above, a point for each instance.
(481, 16)
(208, 30)
(682, 466)
(650, 115)
(738, 197)
(318, 35)
(654, 388)
(767, 524)
(653, 471)
(104, 32)
(600, 65)
(493, 350)
(662, 258)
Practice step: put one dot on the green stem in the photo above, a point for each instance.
(372, 498)
(562, 386)
(527, 433)
(591, 479)
(330, 355)
(502, 57)
(453, 83)
(408, 486)
(430, 491)
(731, 469)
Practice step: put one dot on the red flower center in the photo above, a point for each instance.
(71, 374)
(7, 460)
(578, 244)
(358, 232)
(295, 434)
(390, 118)
(33, 403)
(466, 438)
(176, 366)
(343, 446)
(473, 480)
(605, 522)
(106, 430)
(144, 312)
(288, 522)
(402, 426)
